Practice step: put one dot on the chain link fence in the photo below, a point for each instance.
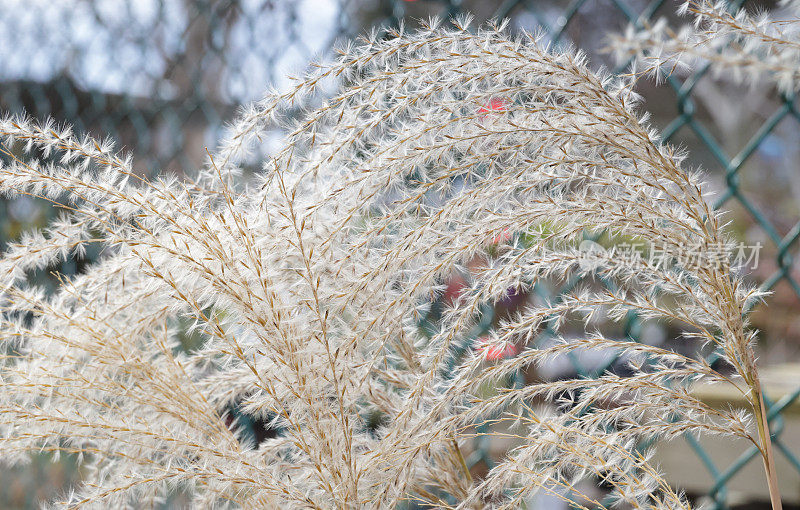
(163, 76)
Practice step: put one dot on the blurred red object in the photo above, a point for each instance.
(501, 238)
(455, 285)
(495, 105)
(493, 351)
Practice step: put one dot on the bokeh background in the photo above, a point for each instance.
(162, 77)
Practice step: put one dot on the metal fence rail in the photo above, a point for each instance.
(163, 76)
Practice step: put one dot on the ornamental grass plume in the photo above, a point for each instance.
(308, 285)
(739, 46)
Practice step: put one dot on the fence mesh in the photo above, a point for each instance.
(162, 77)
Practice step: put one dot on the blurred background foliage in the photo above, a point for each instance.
(162, 77)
